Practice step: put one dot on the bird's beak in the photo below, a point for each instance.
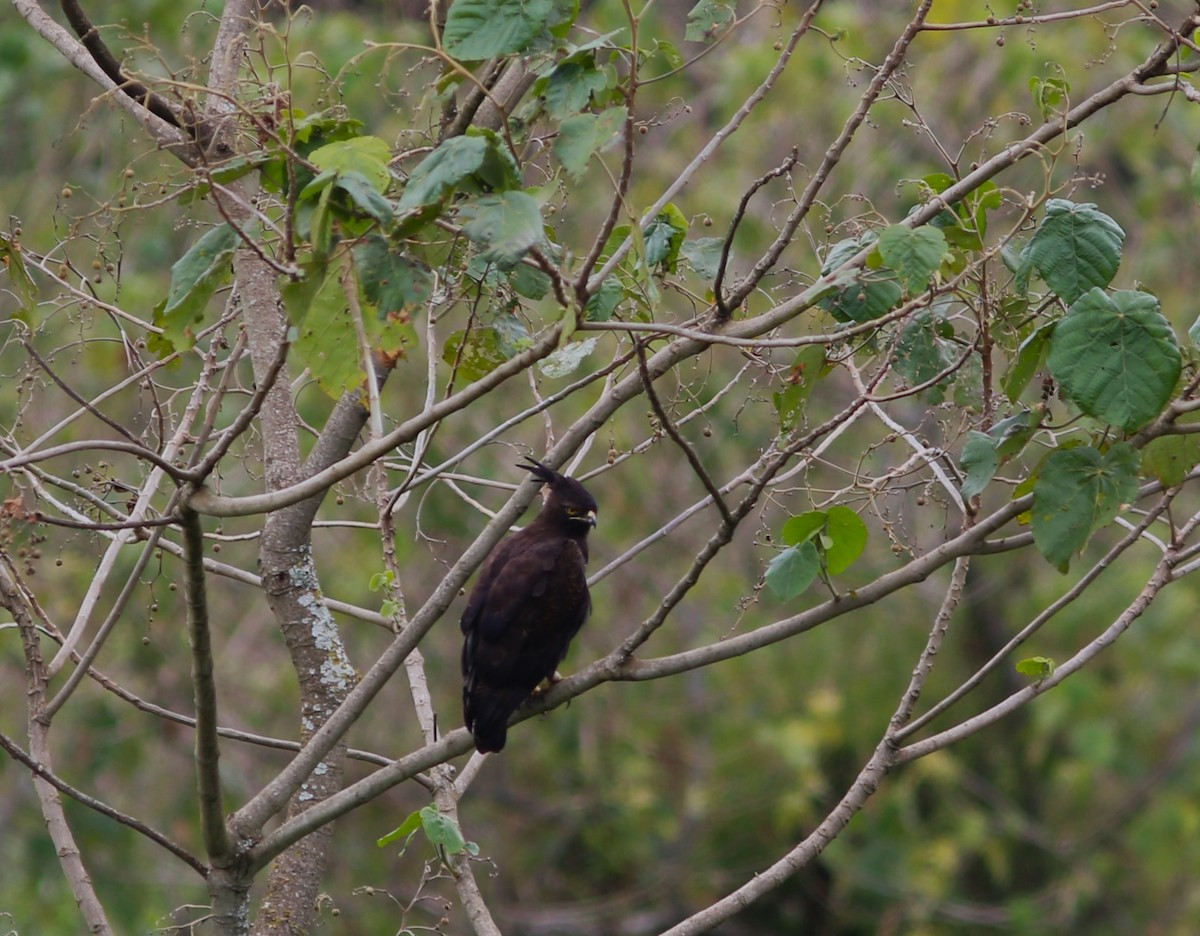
(591, 517)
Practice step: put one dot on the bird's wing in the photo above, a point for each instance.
(521, 568)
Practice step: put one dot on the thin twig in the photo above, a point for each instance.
(671, 430)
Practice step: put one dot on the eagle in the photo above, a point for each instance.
(530, 600)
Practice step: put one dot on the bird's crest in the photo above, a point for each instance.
(573, 496)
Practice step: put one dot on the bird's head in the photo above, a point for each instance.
(565, 497)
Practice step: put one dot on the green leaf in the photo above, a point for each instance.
(1011, 435)
(793, 570)
(1116, 357)
(480, 354)
(866, 295)
(443, 831)
(1078, 491)
(582, 136)
(1075, 248)
(1194, 332)
(604, 301)
(984, 453)
(980, 461)
(664, 236)
(807, 368)
(706, 19)
(1030, 356)
(390, 279)
(1170, 458)
(511, 334)
(803, 527)
(194, 278)
(481, 29)
(364, 196)
(1049, 94)
(914, 253)
(505, 225)
(1039, 667)
(403, 831)
(528, 282)
(18, 276)
(365, 155)
(704, 254)
(848, 538)
(569, 88)
(442, 170)
(566, 360)
(327, 339)
(921, 352)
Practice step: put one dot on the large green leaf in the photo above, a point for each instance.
(391, 279)
(366, 155)
(704, 254)
(441, 830)
(1075, 248)
(569, 88)
(505, 225)
(914, 253)
(1116, 357)
(1170, 458)
(1078, 491)
(442, 170)
(582, 136)
(481, 29)
(194, 278)
(327, 339)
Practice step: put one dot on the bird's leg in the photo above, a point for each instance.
(546, 684)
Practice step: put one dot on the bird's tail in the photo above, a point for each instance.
(486, 712)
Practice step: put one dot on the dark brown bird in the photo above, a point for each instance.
(530, 600)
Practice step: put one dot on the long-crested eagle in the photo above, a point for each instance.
(530, 600)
